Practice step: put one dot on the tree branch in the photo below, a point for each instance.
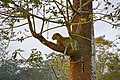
(43, 40)
(49, 44)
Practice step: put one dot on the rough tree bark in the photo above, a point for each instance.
(80, 64)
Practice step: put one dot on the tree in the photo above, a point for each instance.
(14, 70)
(59, 65)
(107, 59)
(9, 70)
(79, 27)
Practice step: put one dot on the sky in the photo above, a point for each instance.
(100, 28)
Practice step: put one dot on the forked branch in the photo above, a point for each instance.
(43, 40)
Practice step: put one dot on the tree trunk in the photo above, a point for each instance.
(80, 63)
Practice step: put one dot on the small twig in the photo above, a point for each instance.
(47, 19)
(53, 28)
(30, 25)
(42, 27)
(23, 38)
(34, 24)
(21, 56)
(43, 20)
(80, 36)
(67, 24)
(87, 3)
(54, 73)
(14, 26)
(67, 10)
(24, 11)
(80, 23)
(76, 61)
(109, 22)
(74, 10)
(60, 11)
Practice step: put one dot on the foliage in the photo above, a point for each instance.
(9, 70)
(57, 65)
(5, 36)
(13, 15)
(60, 65)
(18, 70)
(108, 58)
(53, 11)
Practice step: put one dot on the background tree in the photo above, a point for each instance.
(107, 59)
(57, 66)
(34, 68)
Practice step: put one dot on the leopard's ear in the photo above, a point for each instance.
(55, 36)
